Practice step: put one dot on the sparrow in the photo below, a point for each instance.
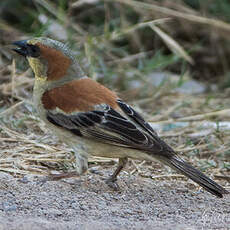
(91, 118)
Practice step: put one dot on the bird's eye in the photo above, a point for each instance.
(33, 51)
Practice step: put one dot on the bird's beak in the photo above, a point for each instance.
(21, 47)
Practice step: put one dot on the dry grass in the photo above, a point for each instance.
(192, 124)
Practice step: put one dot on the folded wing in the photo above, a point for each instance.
(107, 125)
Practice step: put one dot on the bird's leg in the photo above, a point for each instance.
(111, 181)
(121, 164)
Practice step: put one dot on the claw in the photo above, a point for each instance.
(112, 184)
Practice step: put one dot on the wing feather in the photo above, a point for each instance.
(131, 113)
(110, 126)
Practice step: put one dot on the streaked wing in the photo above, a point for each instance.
(111, 127)
(131, 113)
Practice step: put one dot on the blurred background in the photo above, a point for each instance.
(170, 59)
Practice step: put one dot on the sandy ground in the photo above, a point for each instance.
(88, 203)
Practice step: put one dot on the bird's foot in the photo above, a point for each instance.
(112, 183)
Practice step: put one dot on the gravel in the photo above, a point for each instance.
(88, 203)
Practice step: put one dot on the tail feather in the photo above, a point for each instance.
(197, 176)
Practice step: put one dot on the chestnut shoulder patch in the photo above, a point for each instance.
(79, 95)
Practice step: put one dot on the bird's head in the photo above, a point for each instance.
(50, 60)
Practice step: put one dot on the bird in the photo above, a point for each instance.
(92, 119)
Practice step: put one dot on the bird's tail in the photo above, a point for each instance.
(194, 174)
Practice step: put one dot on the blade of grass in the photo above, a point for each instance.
(189, 17)
(172, 44)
